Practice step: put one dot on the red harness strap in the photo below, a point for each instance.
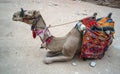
(34, 34)
(48, 40)
(42, 31)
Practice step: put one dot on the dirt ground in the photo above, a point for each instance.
(109, 3)
(21, 54)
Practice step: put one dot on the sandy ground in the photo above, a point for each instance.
(110, 3)
(20, 53)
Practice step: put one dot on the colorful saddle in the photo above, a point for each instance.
(98, 36)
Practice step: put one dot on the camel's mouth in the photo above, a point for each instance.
(16, 16)
(16, 19)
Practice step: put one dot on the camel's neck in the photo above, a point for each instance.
(41, 30)
(40, 24)
(47, 38)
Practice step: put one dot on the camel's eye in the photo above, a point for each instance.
(26, 16)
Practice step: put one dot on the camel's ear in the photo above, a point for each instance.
(21, 12)
(94, 15)
(109, 15)
(22, 9)
(35, 12)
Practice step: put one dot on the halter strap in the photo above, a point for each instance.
(42, 32)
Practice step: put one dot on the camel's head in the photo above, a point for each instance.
(26, 16)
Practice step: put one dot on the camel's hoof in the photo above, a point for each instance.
(48, 60)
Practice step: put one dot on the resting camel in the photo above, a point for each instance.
(61, 48)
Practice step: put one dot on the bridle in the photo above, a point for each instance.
(26, 19)
(41, 32)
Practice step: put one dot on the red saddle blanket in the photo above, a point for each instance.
(95, 40)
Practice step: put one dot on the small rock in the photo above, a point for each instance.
(74, 64)
(93, 64)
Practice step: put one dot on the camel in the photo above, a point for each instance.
(61, 48)
(65, 47)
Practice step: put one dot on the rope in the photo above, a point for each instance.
(63, 24)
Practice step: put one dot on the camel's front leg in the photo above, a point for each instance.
(61, 58)
(67, 54)
(69, 50)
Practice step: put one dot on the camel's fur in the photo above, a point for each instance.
(67, 45)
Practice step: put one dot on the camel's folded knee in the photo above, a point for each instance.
(52, 53)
